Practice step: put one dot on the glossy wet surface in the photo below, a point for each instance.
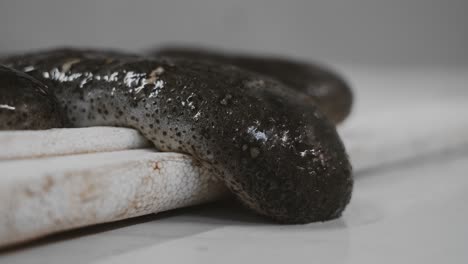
(273, 148)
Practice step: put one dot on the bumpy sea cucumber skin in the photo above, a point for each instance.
(23, 96)
(326, 88)
(277, 153)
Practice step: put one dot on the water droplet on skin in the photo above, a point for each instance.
(258, 135)
(29, 68)
(197, 115)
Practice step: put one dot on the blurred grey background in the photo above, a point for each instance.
(398, 32)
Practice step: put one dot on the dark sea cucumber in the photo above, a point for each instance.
(270, 145)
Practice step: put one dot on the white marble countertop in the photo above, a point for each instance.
(407, 140)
